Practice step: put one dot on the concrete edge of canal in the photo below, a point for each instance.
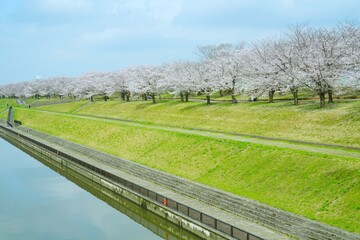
(153, 222)
(201, 219)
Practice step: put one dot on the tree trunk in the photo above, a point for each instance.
(322, 97)
(221, 93)
(330, 95)
(208, 99)
(122, 95)
(233, 99)
(128, 97)
(153, 98)
(182, 96)
(159, 97)
(186, 97)
(294, 92)
(92, 98)
(271, 96)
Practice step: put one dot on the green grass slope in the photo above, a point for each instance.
(4, 102)
(318, 186)
(65, 107)
(339, 123)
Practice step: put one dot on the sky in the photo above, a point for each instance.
(48, 38)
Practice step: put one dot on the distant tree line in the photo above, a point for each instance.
(321, 59)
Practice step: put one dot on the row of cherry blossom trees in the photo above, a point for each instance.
(321, 59)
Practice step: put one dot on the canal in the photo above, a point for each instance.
(42, 201)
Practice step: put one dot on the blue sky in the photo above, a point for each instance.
(70, 37)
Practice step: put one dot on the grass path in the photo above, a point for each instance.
(228, 136)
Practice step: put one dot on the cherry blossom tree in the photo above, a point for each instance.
(350, 34)
(228, 62)
(180, 78)
(147, 80)
(265, 74)
(62, 86)
(121, 84)
(2, 92)
(208, 75)
(319, 58)
(92, 84)
(285, 62)
(236, 71)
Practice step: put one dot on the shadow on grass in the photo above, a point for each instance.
(175, 102)
(149, 103)
(305, 106)
(310, 106)
(198, 105)
(144, 105)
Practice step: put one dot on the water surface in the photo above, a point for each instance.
(38, 203)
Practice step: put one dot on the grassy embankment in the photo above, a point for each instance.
(337, 124)
(317, 186)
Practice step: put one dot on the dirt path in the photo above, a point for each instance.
(227, 136)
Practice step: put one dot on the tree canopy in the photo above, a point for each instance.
(321, 59)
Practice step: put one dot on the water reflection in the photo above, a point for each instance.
(36, 203)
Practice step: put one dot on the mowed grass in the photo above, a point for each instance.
(4, 102)
(65, 107)
(338, 123)
(318, 186)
